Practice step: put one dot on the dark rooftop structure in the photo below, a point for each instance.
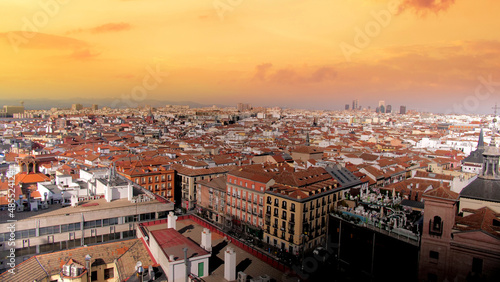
(476, 157)
(345, 178)
(487, 185)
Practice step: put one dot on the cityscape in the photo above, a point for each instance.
(262, 141)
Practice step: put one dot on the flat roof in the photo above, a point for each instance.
(57, 209)
(173, 243)
(245, 261)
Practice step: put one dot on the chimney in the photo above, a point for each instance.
(206, 239)
(130, 191)
(230, 264)
(171, 220)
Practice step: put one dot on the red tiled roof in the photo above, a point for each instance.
(480, 219)
(173, 243)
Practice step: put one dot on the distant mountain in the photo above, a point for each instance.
(46, 104)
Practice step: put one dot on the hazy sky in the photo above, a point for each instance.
(427, 54)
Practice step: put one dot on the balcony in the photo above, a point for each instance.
(276, 204)
(292, 209)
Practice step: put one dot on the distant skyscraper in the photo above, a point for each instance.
(241, 107)
(388, 109)
(346, 107)
(95, 107)
(355, 104)
(381, 106)
(402, 110)
(9, 111)
(76, 107)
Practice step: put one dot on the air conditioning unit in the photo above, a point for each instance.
(242, 277)
(265, 278)
(262, 278)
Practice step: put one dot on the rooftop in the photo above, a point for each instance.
(245, 262)
(84, 206)
(172, 243)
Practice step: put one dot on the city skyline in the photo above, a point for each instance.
(423, 54)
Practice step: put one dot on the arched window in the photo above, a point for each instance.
(436, 226)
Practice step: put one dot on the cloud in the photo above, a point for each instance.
(109, 27)
(35, 40)
(421, 7)
(290, 75)
(84, 54)
(262, 71)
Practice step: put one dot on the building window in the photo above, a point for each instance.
(109, 273)
(283, 205)
(94, 276)
(434, 255)
(477, 266)
(431, 277)
(436, 226)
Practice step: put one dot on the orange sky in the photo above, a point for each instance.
(316, 54)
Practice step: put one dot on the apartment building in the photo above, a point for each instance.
(186, 182)
(157, 178)
(211, 198)
(296, 217)
(87, 221)
(245, 197)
